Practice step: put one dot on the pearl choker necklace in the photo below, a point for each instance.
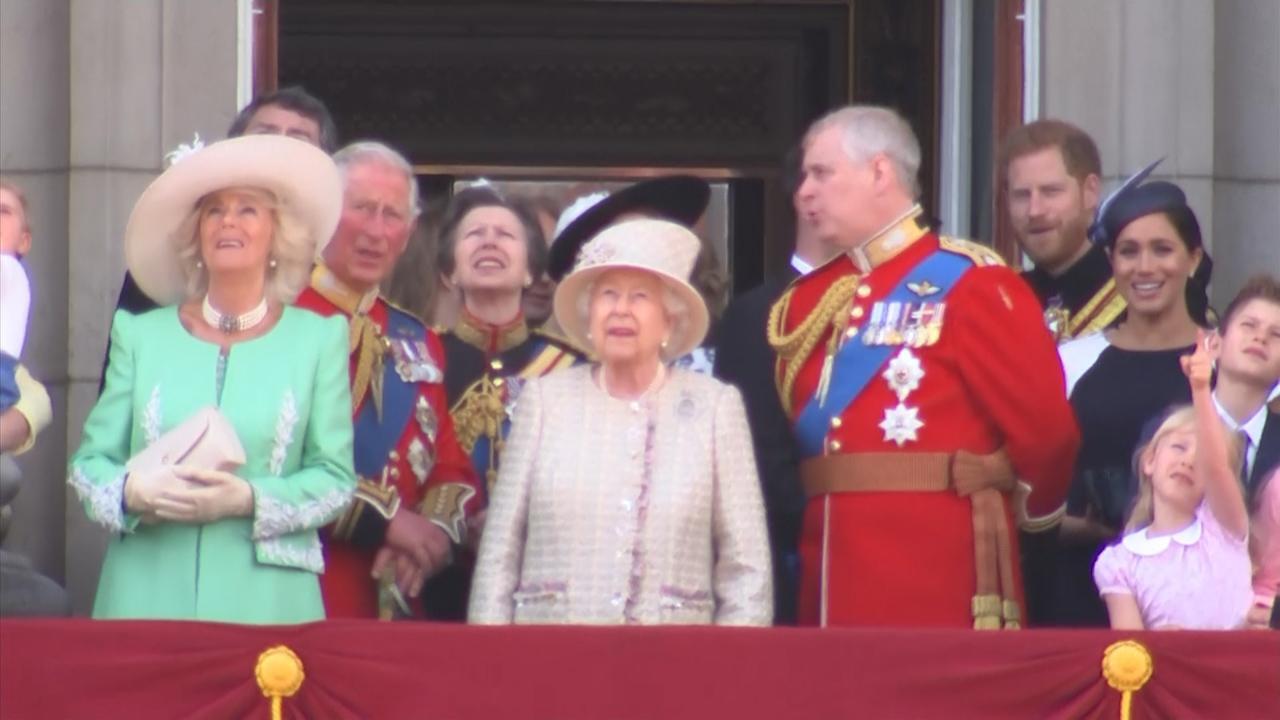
(233, 323)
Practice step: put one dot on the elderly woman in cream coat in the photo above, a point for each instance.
(628, 492)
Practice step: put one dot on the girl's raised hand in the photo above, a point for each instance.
(1198, 366)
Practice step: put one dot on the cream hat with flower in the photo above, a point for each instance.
(303, 178)
(665, 249)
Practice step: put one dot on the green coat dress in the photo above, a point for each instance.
(287, 395)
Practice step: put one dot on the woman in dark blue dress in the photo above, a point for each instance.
(1122, 378)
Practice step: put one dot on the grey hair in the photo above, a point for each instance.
(675, 306)
(364, 151)
(870, 130)
(292, 247)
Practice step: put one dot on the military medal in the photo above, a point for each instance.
(904, 373)
(420, 460)
(514, 385)
(888, 334)
(1057, 318)
(874, 324)
(922, 320)
(934, 328)
(900, 424)
(414, 362)
(427, 420)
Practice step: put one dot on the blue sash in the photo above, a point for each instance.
(375, 440)
(856, 364)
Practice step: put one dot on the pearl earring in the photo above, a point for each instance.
(199, 264)
(272, 263)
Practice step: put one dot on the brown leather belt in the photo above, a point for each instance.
(984, 479)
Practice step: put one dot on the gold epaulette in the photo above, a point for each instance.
(980, 254)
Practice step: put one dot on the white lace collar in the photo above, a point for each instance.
(1140, 543)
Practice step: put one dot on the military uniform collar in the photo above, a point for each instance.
(1078, 284)
(335, 291)
(492, 339)
(891, 240)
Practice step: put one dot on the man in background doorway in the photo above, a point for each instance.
(746, 361)
(1052, 180)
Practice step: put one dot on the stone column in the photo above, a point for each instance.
(1137, 76)
(94, 94)
(1246, 187)
(145, 76)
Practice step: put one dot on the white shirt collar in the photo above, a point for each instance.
(800, 265)
(1140, 543)
(1251, 427)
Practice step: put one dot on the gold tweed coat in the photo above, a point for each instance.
(609, 511)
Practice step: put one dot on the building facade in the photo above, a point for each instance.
(92, 95)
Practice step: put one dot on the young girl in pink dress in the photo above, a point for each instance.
(1184, 560)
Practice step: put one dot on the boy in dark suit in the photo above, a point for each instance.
(1247, 346)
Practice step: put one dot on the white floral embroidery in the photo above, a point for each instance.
(151, 417)
(272, 517)
(104, 502)
(285, 422)
(280, 551)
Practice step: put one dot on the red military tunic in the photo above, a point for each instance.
(990, 379)
(425, 469)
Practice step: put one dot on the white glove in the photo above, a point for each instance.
(207, 495)
(143, 488)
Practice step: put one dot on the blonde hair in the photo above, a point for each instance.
(1178, 418)
(292, 248)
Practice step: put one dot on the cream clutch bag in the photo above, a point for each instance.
(204, 440)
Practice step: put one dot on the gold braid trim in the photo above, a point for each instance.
(366, 339)
(1101, 310)
(793, 347)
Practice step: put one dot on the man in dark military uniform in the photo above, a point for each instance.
(488, 363)
(1052, 181)
(416, 488)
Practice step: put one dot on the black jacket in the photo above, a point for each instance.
(744, 359)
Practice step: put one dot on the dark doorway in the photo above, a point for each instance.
(609, 90)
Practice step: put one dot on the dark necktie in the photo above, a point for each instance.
(1244, 456)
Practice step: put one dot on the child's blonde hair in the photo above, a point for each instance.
(1178, 418)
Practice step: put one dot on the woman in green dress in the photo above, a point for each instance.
(223, 241)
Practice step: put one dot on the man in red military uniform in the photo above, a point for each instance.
(922, 386)
(416, 488)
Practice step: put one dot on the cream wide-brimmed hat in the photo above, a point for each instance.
(303, 178)
(665, 249)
